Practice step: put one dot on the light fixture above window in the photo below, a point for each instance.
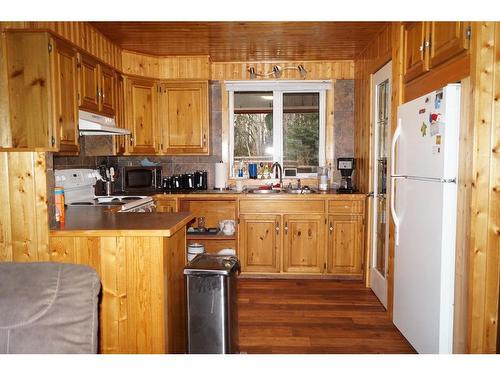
(277, 71)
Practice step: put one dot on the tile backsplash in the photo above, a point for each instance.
(343, 138)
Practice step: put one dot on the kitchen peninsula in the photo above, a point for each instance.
(140, 259)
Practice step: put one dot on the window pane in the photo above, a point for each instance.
(253, 126)
(301, 131)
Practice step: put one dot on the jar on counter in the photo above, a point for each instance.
(59, 200)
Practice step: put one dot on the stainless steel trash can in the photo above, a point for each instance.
(212, 326)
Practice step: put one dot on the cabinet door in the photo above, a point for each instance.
(29, 70)
(107, 90)
(345, 245)
(66, 106)
(141, 101)
(303, 243)
(184, 118)
(259, 243)
(165, 205)
(120, 140)
(415, 58)
(448, 39)
(89, 79)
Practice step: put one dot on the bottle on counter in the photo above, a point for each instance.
(59, 200)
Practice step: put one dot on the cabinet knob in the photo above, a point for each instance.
(286, 227)
(421, 48)
(331, 227)
(277, 228)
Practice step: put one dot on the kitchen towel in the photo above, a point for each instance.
(220, 175)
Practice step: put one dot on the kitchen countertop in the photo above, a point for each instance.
(331, 194)
(101, 222)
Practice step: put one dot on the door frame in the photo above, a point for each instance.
(377, 282)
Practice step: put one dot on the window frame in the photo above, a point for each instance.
(278, 88)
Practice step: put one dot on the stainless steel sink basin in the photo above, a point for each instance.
(299, 191)
(263, 191)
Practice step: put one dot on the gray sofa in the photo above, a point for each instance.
(48, 308)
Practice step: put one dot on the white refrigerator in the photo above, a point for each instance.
(424, 173)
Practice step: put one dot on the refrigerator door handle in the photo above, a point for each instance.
(394, 215)
(394, 141)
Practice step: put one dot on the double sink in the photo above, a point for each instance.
(304, 190)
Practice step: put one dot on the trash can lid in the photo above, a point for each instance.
(212, 264)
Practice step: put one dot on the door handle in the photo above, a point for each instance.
(394, 177)
(395, 137)
(393, 211)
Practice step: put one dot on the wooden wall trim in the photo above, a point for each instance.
(485, 209)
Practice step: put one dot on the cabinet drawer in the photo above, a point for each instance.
(282, 206)
(345, 207)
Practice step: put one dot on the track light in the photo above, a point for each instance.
(302, 71)
(277, 71)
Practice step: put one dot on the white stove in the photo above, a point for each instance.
(79, 190)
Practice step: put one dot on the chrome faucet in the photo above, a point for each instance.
(278, 169)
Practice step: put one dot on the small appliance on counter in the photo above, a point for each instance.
(346, 166)
(185, 183)
(139, 179)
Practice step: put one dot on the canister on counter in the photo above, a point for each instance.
(59, 200)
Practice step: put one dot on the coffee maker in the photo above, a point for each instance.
(346, 166)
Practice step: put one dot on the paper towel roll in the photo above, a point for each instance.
(220, 175)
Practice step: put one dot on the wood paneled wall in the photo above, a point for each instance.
(377, 53)
(23, 207)
(175, 67)
(342, 69)
(485, 210)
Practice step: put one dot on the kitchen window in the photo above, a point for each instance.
(278, 121)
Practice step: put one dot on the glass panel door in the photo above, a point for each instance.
(380, 230)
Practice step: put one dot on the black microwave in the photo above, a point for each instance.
(140, 178)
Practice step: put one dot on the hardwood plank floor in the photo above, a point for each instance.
(314, 316)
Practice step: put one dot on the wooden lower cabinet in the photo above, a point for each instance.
(304, 243)
(260, 243)
(166, 205)
(345, 245)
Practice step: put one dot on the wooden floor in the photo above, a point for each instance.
(314, 316)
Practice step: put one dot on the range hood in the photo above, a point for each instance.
(91, 124)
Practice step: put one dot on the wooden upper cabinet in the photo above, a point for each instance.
(447, 40)
(97, 86)
(260, 243)
(183, 118)
(107, 90)
(65, 90)
(41, 78)
(345, 245)
(141, 106)
(430, 44)
(304, 243)
(415, 59)
(120, 118)
(89, 83)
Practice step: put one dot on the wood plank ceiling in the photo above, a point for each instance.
(244, 41)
